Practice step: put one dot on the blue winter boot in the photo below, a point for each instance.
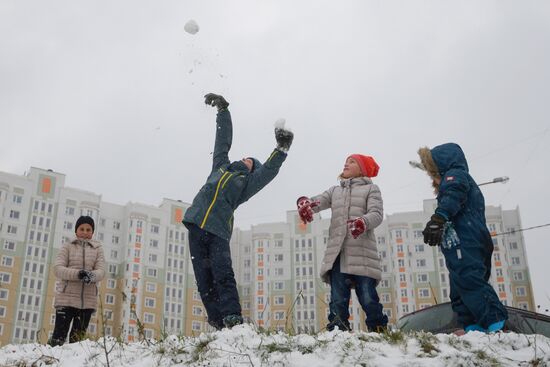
(474, 327)
(497, 326)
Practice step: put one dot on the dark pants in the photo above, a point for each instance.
(472, 297)
(211, 258)
(63, 318)
(340, 293)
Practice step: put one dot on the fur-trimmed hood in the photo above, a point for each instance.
(442, 158)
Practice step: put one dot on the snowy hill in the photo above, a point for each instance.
(245, 346)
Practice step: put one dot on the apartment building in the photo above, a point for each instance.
(149, 288)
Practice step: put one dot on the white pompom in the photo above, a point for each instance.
(191, 27)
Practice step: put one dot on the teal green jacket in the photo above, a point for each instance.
(229, 184)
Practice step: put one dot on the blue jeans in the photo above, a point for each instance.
(340, 293)
(211, 258)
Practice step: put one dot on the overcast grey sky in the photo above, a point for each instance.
(110, 93)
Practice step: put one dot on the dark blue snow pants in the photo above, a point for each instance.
(472, 297)
(211, 258)
(340, 293)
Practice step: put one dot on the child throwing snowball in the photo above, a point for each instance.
(210, 217)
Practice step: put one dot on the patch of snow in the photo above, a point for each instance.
(244, 345)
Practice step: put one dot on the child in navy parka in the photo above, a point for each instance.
(467, 245)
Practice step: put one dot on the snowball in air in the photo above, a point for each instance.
(191, 27)
(280, 124)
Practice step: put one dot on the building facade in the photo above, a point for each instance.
(149, 288)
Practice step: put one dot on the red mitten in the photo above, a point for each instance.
(357, 226)
(304, 208)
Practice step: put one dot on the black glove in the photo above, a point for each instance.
(434, 230)
(82, 274)
(216, 100)
(284, 139)
(86, 276)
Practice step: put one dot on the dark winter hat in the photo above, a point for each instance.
(84, 220)
(368, 165)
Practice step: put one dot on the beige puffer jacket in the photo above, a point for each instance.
(74, 256)
(355, 197)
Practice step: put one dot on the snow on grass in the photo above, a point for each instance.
(244, 345)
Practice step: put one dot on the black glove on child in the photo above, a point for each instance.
(433, 232)
(86, 276)
(215, 100)
(284, 139)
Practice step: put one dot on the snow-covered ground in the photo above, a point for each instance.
(245, 346)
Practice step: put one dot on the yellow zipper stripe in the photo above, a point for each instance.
(272, 155)
(213, 201)
(226, 180)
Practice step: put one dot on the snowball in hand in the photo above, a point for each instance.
(280, 124)
(191, 27)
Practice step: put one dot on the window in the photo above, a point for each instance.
(405, 308)
(109, 299)
(381, 240)
(403, 293)
(197, 311)
(513, 245)
(151, 287)
(5, 278)
(421, 263)
(9, 245)
(17, 199)
(498, 272)
(279, 300)
(150, 302)
(153, 258)
(501, 288)
(7, 261)
(115, 240)
(384, 283)
(152, 272)
(12, 229)
(154, 243)
(196, 325)
(516, 260)
(422, 278)
(69, 210)
(116, 225)
(114, 254)
(14, 214)
(424, 293)
(68, 225)
(4, 294)
(521, 292)
(154, 228)
(111, 283)
(112, 269)
(149, 318)
(279, 315)
(385, 298)
(279, 286)
(518, 275)
(278, 257)
(419, 248)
